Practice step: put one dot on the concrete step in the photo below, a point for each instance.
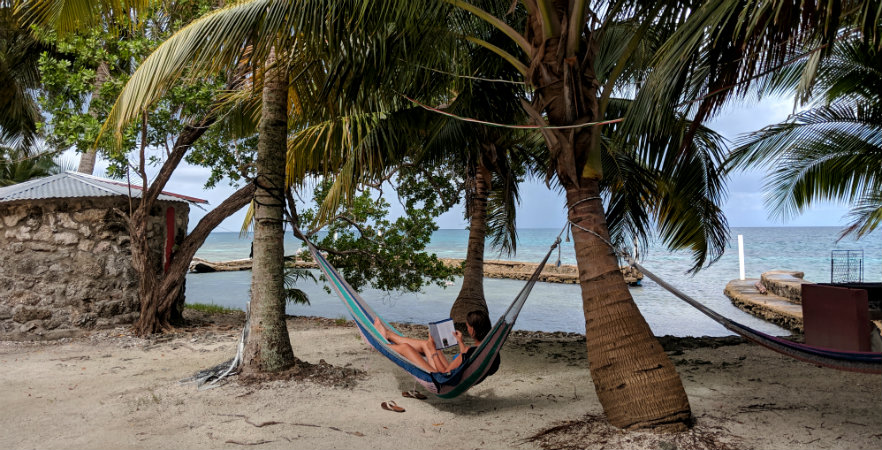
(785, 283)
(769, 307)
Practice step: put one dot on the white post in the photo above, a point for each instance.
(741, 255)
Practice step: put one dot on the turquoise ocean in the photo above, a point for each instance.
(558, 307)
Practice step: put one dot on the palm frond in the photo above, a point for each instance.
(502, 204)
(865, 216)
(725, 45)
(292, 276)
(68, 16)
(656, 180)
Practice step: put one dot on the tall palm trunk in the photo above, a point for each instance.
(471, 295)
(634, 379)
(87, 160)
(269, 348)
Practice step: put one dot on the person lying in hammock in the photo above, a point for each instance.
(424, 354)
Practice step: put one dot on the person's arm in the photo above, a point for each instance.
(462, 346)
(437, 359)
(456, 362)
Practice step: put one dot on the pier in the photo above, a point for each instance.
(776, 297)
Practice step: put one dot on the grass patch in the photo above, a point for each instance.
(210, 308)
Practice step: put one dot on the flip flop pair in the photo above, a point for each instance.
(414, 394)
(391, 406)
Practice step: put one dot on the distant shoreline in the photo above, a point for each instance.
(558, 229)
(512, 270)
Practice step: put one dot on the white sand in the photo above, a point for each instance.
(108, 391)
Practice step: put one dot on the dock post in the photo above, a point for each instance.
(741, 255)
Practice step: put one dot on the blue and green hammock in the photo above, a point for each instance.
(445, 385)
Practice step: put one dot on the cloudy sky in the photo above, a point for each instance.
(542, 208)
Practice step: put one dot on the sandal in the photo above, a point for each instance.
(414, 394)
(391, 406)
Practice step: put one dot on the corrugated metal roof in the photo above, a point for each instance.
(73, 185)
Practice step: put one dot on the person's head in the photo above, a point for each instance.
(478, 324)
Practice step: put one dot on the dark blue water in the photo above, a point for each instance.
(558, 307)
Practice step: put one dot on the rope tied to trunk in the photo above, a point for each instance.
(570, 224)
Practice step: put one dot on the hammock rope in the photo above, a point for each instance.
(863, 362)
(511, 126)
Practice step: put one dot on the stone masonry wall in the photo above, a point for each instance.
(65, 265)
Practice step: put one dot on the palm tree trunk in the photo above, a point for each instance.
(269, 348)
(633, 377)
(471, 295)
(87, 160)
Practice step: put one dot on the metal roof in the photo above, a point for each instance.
(75, 185)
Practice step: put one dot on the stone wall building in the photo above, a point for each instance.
(65, 263)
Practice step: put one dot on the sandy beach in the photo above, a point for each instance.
(113, 390)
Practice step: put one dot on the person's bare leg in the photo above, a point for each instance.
(378, 324)
(401, 346)
(418, 344)
(413, 355)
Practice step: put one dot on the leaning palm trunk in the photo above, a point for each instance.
(633, 377)
(269, 348)
(471, 295)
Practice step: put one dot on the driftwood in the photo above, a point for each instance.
(492, 269)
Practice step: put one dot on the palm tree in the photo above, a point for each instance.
(268, 348)
(64, 17)
(20, 163)
(19, 52)
(707, 46)
(219, 42)
(560, 60)
(832, 150)
(494, 161)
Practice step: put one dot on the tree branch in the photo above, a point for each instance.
(291, 212)
(180, 260)
(185, 140)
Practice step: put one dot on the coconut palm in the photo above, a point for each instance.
(491, 159)
(69, 16)
(833, 149)
(64, 17)
(20, 163)
(495, 160)
(573, 81)
(19, 53)
(707, 46)
(283, 41)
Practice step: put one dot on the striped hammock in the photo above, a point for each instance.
(865, 362)
(444, 385)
